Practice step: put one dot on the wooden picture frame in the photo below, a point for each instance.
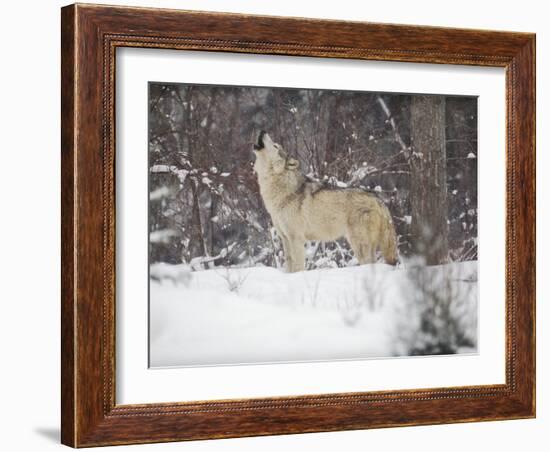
(90, 35)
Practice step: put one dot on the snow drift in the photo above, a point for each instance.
(254, 315)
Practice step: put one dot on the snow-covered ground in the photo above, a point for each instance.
(260, 314)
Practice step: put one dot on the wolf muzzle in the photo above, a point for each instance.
(260, 143)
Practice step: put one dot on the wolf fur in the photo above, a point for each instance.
(303, 210)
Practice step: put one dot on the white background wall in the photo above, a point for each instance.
(29, 225)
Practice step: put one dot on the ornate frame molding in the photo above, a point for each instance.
(90, 36)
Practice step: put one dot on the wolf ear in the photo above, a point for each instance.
(292, 163)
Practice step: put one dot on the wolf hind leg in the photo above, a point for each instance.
(388, 245)
(364, 252)
(362, 235)
(368, 253)
(389, 251)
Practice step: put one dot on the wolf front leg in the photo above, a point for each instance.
(298, 255)
(287, 252)
(286, 249)
(286, 246)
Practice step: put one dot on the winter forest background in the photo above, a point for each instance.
(418, 153)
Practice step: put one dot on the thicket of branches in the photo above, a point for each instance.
(205, 208)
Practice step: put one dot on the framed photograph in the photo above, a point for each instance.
(280, 225)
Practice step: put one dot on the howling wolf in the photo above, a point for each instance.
(304, 210)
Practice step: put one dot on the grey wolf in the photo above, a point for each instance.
(303, 210)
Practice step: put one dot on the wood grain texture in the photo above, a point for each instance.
(90, 36)
(67, 226)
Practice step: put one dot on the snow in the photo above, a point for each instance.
(471, 155)
(163, 168)
(361, 173)
(175, 273)
(162, 235)
(180, 173)
(261, 314)
(159, 193)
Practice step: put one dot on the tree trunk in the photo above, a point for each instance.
(197, 244)
(333, 129)
(428, 163)
(211, 224)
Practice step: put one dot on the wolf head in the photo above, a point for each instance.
(271, 157)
